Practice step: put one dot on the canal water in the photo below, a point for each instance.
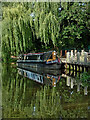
(43, 94)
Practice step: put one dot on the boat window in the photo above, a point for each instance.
(41, 57)
(27, 58)
(33, 57)
(47, 55)
(50, 57)
(21, 57)
(44, 56)
(38, 57)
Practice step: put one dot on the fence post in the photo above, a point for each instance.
(85, 57)
(82, 52)
(71, 55)
(82, 55)
(75, 55)
(78, 57)
(68, 57)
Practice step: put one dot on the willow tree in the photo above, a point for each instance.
(46, 22)
(17, 30)
(37, 26)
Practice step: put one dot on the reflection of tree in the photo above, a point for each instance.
(48, 103)
(22, 98)
(15, 89)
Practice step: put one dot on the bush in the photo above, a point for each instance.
(85, 78)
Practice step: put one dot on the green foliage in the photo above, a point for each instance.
(84, 78)
(38, 26)
(74, 26)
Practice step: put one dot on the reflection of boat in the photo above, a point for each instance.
(43, 71)
(46, 60)
(40, 78)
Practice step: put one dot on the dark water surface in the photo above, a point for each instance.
(48, 95)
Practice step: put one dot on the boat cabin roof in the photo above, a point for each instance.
(42, 53)
(37, 56)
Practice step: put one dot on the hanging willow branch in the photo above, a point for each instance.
(49, 28)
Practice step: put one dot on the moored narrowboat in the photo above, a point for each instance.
(45, 60)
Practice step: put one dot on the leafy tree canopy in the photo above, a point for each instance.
(38, 26)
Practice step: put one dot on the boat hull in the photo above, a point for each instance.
(42, 65)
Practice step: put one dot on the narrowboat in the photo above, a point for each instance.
(45, 60)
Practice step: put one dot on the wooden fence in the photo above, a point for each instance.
(76, 57)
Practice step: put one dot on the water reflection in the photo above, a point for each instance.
(52, 78)
(25, 98)
(49, 78)
(71, 81)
